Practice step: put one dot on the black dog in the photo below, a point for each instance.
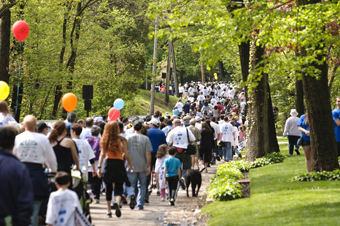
(195, 178)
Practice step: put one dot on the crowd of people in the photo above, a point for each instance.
(121, 158)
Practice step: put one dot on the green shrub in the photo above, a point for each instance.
(315, 176)
(224, 186)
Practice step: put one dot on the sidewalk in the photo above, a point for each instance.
(185, 212)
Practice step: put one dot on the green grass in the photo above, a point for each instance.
(140, 105)
(282, 139)
(275, 201)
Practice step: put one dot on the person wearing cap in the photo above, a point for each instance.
(186, 120)
(42, 128)
(197, 134)
(198, 123)
(292, 130)
(139, 147)
(157, 138)
(178, 137)
(97, 120)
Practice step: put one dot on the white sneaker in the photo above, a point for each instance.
(96, 201)
(162, 199)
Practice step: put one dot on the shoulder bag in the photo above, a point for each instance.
(191, 149)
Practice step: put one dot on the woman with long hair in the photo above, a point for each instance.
(5, 115)
(64, 148)
(303, 126)
(113, 146)
(207, 144)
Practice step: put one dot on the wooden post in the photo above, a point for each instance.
(154, 67)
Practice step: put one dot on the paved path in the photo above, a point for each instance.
(156, 212)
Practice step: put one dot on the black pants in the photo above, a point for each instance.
(292, 142)
(172, 185)
(96, 183)
(109, 189)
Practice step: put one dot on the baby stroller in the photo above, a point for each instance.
(79, 186)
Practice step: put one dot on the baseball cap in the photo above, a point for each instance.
(169, 123)
(98, 119)
(186, 118)
(177, 121)
(40, 127)
(198, 119)
(153, 121)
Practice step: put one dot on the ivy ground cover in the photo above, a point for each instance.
(275, 200)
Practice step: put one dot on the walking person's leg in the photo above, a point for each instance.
(141, 183)
(308, 154)
(229, 151)
(108, 194)
(118, 192)
(131, 190)
(291, 144)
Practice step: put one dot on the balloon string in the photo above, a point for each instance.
(17, 102)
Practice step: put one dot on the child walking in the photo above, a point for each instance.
(172, 172)
(162, 155)
(62, 203)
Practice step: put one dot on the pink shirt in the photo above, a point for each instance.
(241, 135)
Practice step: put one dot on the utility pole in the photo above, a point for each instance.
(154, 67)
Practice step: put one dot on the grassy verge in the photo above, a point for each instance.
(275, 201)
(140, 105)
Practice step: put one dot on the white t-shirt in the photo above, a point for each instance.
(180, 89)
(4, 119)
(85, 133)
(200, 98)
(243, 104)
(34, 147)
(205, 92)
(213, 101)
(231, 93)
(178, 137)
(85, 154)
(61, 208)
(191, 99)
(236, 136)
(191, 91)
(227, 132)
(216, 128)
(179, 105)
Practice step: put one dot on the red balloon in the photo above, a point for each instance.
(114, 114)
(20, 30)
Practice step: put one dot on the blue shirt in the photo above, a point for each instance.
(172, 164)
(175, 112)
(165, 129)
(336, 115)
(186, 108)
(301, 123)
(157, 138)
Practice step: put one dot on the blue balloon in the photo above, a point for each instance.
(118, 104)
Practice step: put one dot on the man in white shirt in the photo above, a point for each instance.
(179, 106)
(34, 149)
(227, 137)
(180, 90)
(201, 97)
(178, 137)
(86, 133)
(85, 153)
(242, 105)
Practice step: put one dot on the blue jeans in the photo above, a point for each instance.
(235, 148)
(227, 153)
(34, 217)
(141, 178)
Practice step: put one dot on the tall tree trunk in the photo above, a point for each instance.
(5, 36)
(299, 105)
(202, 69)
(258, 144)
(168, 71)
(174, 69)
(154, 67)
(273, 144)
(316, 92)
(331, 79)
(244, 52)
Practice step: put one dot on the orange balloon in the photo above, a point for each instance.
(69, 102)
